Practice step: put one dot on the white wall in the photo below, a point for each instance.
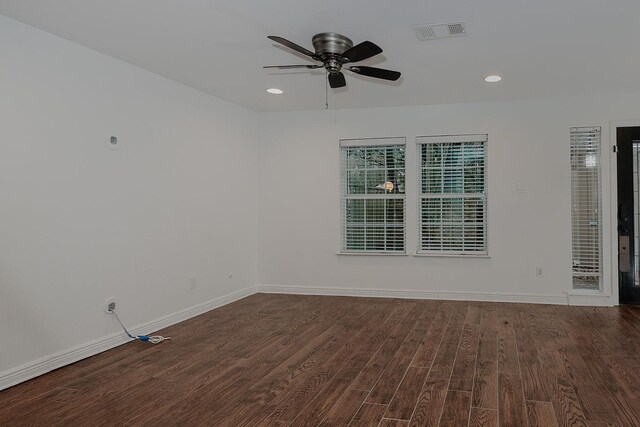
(528, 142)
(80, 223)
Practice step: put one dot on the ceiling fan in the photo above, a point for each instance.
(334, 51)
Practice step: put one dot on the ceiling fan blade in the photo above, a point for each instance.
(336, 80)
(362, 51)
(292, 45)
(287, 67)
(378, 73)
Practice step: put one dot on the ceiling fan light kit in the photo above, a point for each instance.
(334, 50)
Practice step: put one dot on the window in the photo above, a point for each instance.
(586, 200)
(452, 198)
(373, 195)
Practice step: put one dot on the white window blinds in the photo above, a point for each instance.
(452, 198)
(586, 200)
(372, 181)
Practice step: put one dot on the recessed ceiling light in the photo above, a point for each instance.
(275, 91)
(492, 79)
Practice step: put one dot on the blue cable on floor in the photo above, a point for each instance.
(153, 339)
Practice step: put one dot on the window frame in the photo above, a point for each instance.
(423, 141)
(576, 133)
(344, 196)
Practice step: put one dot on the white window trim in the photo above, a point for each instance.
(600, 219)
(371, 142)
(421, 140)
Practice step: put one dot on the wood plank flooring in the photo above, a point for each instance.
(292, 360)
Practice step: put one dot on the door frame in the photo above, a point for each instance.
(610, 267)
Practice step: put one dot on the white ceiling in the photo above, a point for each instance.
(542, 48)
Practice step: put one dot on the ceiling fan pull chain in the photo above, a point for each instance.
(326, 91)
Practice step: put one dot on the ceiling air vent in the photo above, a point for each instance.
(440, 31)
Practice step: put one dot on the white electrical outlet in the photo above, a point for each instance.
(110, 305)
(521, 187)
(193, 283)
(538, 271)
(230, 275)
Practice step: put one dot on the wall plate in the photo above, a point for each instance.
(113, 143)
(109, 301)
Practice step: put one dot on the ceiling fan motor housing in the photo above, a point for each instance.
(330, 47)
(331, 43)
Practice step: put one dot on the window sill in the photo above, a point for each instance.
(452, 255)
(373, 253)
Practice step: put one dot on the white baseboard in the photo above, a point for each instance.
(557, 299)
(349, 292)
(54, 361)
(590, 300)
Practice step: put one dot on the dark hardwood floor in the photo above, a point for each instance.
(279, 360)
